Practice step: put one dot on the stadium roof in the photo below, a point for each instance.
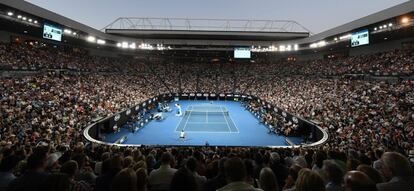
(27, 7)
(212, 29)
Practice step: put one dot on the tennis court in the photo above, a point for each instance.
(207, 118)
(220, 123)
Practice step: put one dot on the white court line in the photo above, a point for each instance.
(233, 124)
(185, 124)
(214, 132)
(205, 123)
(182, 119)
(207, 117)
(228, 126)
(207, 105)
(211, 132)
(225, 117)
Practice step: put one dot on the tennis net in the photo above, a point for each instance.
(204, 112)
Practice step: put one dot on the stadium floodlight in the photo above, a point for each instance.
(289, 47)
(118, 44)
(24, 18)
(146, 46)
(321, 43)
(380, 27)
(35, 22)
(67, 31)
(375, 28)
(132, 46)
(385, 26)
(336, 39)
(10, 13)
(19, 16)
(74, 33)
(100, 41)
(390, 24)
(404, 20)
(30, 20)
(124, 45)
(272, 48)
(296, 47)
(282, 48)
(91, 39)
(161, 47)
(347, 36)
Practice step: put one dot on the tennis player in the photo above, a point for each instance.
(182, 135)
(178, 106)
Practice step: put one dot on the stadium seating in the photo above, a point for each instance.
(370, 123)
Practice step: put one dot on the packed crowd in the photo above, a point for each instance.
(397, 62)
(57, 107)
(275, 122)
(107, 168)
(363, 118)
(357, 114)
(35, 55)
(40, 55)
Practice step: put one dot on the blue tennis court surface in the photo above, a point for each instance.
(207, 118)
(220, 123)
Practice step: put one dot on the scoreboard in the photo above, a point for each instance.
(360, 38)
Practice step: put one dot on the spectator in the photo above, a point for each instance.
(268, 180)
(334, 176)
(104, 182)
(309, 181)
(358, 181)
(318, 159)
(98, 165)
(248, 164)
(292, 177)
(278, 168)
(142, 179)
(7, 166)
(219, 180)
(191, 166)
(126, 180)
(373, 174)
(35, 176)
(184, 180)
(397, 170)
(56, 181)
(235, 173)
(70, 168)
(160, 179)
